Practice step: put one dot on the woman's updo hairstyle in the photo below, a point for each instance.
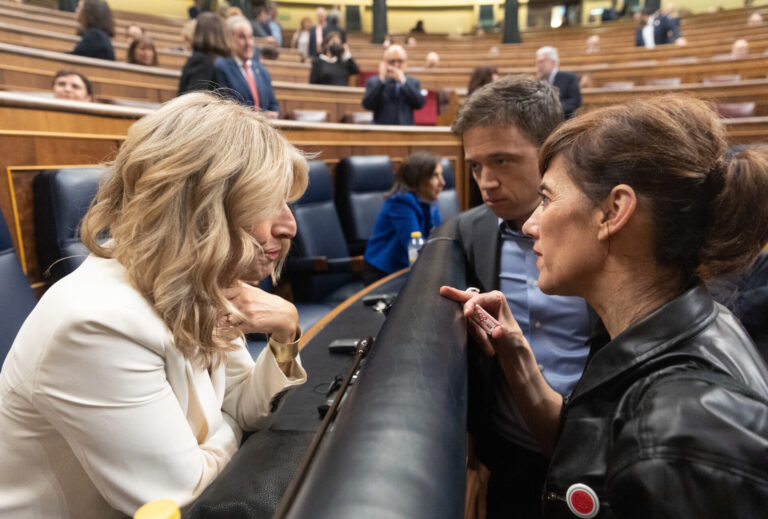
(416, 168)
(709, 216)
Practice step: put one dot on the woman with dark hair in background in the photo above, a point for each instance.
(208, 43)
(411, 205)
(334, 64)
(95, 27)
(481, 76)
(142, 52)
(670, 417)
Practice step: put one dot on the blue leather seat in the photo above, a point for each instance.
(319, 268)
(360, 185)
(62, 198)
(16, 297)
(448, 202)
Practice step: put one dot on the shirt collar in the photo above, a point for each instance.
(551, 78)
(507, 230)
(325, 57)
(240, 62)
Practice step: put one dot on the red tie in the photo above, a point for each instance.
(251, 84)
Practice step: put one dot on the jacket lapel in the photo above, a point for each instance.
(485, 249)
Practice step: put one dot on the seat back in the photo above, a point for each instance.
(62, 198)
(427, 114)
(361, 182)
(732, 110)
(16, 297)
(448, 202)
(318, 233)
(309, 116)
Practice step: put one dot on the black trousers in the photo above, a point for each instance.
(371, 274)
(516, 480)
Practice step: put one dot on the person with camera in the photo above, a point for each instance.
(335, 64)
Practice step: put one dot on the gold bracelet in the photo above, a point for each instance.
(285, 351)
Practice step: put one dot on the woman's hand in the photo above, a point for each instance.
(263, 312)
(504, 338)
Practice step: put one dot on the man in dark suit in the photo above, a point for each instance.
(656, 29)
(317, 33)
(242, 77)
(547, 63)
(502, 125)
(393, 96)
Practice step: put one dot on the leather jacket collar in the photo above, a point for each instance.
(652, 336)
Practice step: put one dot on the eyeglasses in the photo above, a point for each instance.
(395, 61)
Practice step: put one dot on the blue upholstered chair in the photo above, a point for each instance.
(319, 267)
(62, 198)
(360, 185)
(16, 297)
(448, 201)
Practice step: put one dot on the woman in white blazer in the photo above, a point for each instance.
(130, 380)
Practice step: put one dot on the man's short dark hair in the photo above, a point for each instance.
(64, 73)
(531, 105)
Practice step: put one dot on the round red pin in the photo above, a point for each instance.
(582, 501)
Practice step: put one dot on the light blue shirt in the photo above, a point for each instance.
(556, 327)
(277, 32)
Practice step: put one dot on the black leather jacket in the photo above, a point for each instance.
(669, 420)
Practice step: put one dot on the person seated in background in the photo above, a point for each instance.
(410, 42)
(134, 31)
(754, 20)
(654, 28)
(586, 81)
(433, 60)
(209, 43)
(481, 76)
(419, 27)
(593, 44)
(274, 26)
(335, 64)
(411, 205)
(130, 381)
(232, 11)
(639, 208)
(95, 27)
(332, 25)
(142, 52)
(300, 38)
(260, 25)
(547, 63)
(682, 41)
(388, 40)
(68, 84)
(393, 96)
(740, 49)
(241, 76)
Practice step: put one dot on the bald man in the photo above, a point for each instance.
(393, 96)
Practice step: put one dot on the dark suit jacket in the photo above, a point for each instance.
(198, 74)
(392, 103)
(94, 43)
(232, 80)
(570, 93)
(663, 26)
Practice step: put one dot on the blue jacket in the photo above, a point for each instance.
(232, 80)
(392, 102)
(401, 214)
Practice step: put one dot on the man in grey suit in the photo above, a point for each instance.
(502, 125)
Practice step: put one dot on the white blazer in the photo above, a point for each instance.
(100, 413)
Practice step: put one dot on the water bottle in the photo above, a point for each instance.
(417, 242)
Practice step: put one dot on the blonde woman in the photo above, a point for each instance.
(130, 380)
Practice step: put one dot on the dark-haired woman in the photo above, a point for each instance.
(410, 206)
(95, 27)
(481, 76)
(208, 43)
(334, 64)
(670, 417)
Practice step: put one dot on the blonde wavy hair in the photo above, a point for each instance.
(188, 183)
